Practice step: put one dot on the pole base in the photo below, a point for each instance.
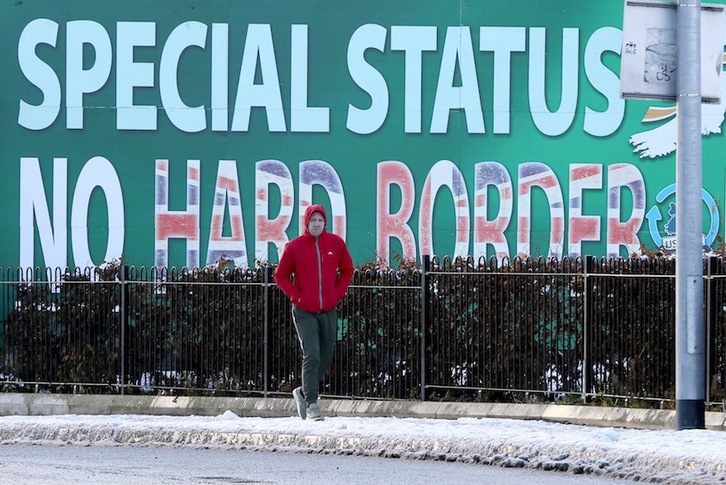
(690, 414)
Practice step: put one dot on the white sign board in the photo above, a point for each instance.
(649, 60)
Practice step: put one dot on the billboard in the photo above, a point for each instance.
(181, 133)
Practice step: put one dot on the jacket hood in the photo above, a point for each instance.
(309, 213)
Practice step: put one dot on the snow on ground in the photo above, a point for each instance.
(663, 456)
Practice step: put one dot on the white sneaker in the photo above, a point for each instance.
(297, 395)
(314, 412)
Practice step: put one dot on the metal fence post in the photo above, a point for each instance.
(424, 320)
(266, 331)
(711, 299)
(587, 329)
(123, 323)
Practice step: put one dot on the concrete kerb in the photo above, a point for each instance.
(13, 404)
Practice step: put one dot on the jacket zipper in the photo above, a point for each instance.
(320, 275)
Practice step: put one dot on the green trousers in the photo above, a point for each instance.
(317, 333)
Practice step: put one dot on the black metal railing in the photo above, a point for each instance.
(463, 329)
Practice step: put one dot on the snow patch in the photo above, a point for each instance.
(693, 456)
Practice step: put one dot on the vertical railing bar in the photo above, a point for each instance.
(710, 319)
(123, 324)
(266, 329)
(587, 330)
(424, 326)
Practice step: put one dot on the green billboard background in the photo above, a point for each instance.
(176, 133)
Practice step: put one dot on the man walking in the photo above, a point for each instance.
(314, 273)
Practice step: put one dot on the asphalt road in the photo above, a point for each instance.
(128, 465)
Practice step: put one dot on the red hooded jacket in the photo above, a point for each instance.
(315, 272)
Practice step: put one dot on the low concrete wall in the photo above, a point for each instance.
(54, 404)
